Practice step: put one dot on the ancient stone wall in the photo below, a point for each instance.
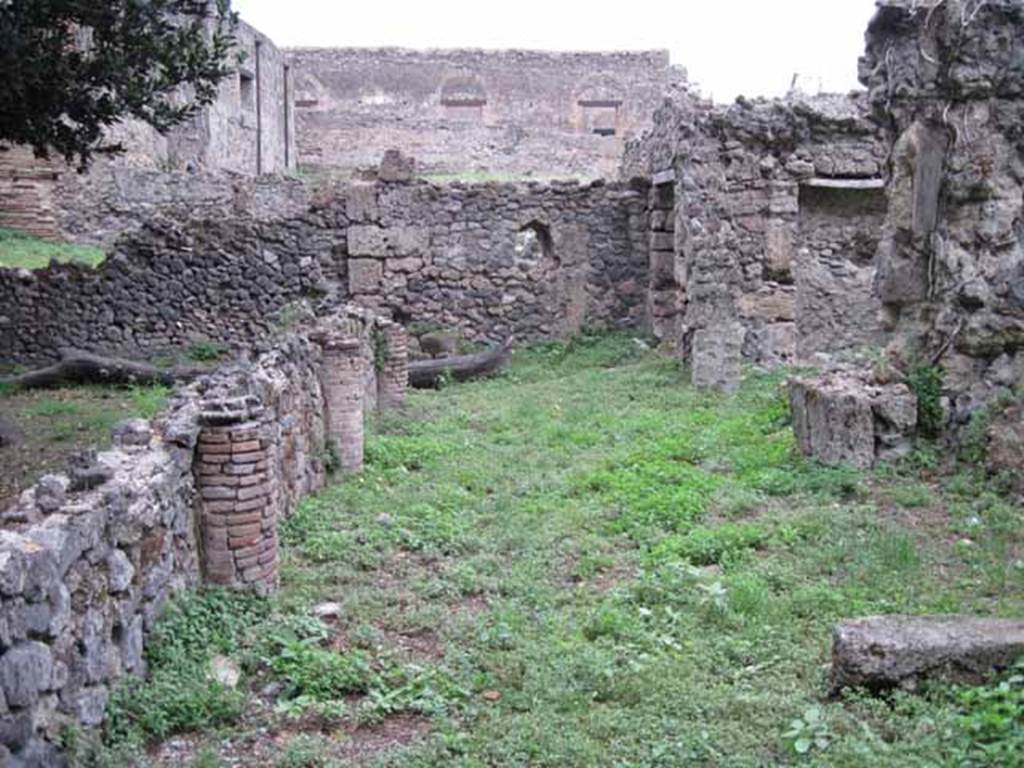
(488, 260)
(519, 113)
(946, 81)
(88, 560)
(111, 201)
(777, 207)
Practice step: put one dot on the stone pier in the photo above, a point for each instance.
(392, 359)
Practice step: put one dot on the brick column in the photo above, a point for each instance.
(343, 375)
(392, 365)
(238, 504)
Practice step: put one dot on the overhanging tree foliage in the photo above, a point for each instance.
(69, 69)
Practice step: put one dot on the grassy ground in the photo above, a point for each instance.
(52, 424)
(19, 251)
(587, 563)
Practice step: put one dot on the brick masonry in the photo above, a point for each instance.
(196, 496)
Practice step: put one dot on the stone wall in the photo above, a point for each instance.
(521, 113)
(777, 206)
(948, 87)
(488, 260)
(491, 260)
(89, 560)
(112, 201)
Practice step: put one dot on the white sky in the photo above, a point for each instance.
(729, 47)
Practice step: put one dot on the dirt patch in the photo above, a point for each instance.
(262, 741)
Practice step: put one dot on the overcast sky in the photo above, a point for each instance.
(729, 47)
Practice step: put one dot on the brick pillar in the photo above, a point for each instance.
(238, 505)
(343, 376)
(392, 365)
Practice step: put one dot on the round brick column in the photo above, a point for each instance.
(343, 375)
(393, 367)
(238, 505)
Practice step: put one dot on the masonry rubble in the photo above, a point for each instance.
(88, 560)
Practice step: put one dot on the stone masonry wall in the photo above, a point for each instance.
(489, 260)
(948, 85)
(88, 561)
(520, 113)
(771, 224)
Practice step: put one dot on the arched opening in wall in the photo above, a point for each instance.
(533, 244)
(463, 99)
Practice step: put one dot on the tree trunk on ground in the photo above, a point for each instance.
(424, 374)
(78, 367)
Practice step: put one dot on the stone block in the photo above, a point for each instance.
(408, 241)
(842, 419)
(884, 652)
(361, 203)
(717, 357)
(25, 672)
(769, 305)
(832, 421)
(367, 240)
(364, 275)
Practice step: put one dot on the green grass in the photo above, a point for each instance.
(54, 423)
(19, 251)
(603, 567)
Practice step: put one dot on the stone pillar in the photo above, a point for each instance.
(238, 505)
(717, 357)
(662, 288)
(392, 365)
(343, 375)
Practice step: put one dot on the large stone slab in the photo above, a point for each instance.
(883, 652)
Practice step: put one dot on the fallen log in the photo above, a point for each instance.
(79, 367)
(425, 374)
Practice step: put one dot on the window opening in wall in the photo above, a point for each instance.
(464, 111)
(533, 244)
(247, 91)
(600, 118)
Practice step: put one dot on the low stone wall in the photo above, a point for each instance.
(87, 562)
(113, 200)
(488, 260)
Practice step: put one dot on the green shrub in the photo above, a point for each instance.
(925, 381)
